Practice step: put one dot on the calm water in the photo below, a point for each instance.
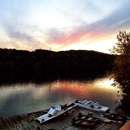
(24, 98)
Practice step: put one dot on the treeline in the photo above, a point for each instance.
(39, 65)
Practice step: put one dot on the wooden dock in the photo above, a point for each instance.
(27, 122)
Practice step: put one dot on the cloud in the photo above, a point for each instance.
(13, 30)
(20, 36)
(54, 35)
(75, 22)
(108, 26)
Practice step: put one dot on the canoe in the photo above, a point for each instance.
(95, 106)
(114, 117)
(85, 120)
(55, 112)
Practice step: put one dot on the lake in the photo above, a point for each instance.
(24, 98)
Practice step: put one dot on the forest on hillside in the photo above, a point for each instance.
(41, 65)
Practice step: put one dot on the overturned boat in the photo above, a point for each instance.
(95, 106)
(55, 112)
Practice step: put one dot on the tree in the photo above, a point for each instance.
(123, 45)
(121, 69)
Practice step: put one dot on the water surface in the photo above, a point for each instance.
(29, 97)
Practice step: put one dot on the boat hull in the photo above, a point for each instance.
(47, 117)
(92, 106)
(85, 120)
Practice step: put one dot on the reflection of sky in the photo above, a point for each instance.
(62, 25)
(24, 98)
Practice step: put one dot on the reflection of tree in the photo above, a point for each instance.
(121, 71)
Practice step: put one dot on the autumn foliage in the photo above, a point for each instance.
(121, 69)
(122, 47)
(44, 65)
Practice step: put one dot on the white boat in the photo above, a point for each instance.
(95, 106)
(55, 112)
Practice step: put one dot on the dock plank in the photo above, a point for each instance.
(27, 122)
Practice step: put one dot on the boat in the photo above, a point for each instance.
(114, 117)
(95, 106)
(55, 112)
(85, 120)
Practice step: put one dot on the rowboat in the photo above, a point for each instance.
(85, 120)
(114, 117)
(95, 106)
(55, 112)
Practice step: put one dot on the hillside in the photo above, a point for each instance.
(44, 65)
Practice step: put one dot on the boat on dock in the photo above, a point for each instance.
(85, 120)
(55, 112)
(114, 117)
(94, 106)
(27, 121)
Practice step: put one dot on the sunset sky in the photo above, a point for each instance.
(62, 24)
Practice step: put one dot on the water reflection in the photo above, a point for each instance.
(23, 98)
